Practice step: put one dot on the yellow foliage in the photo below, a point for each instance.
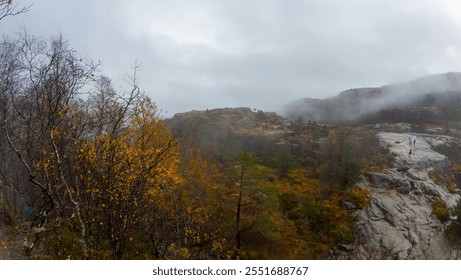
(143, 156)
(369, 166)
(452, 188)
(440, 210)
(456, 167)
(360, 197)
(334, 213)
(297, 182)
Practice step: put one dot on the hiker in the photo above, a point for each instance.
(409, 153)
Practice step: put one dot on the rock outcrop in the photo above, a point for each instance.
(399, 222)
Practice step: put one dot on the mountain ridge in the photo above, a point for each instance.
(355, 106)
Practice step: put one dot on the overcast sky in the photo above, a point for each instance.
(199, 54)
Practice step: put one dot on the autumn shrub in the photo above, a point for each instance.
(177, 253)
(456, 167)
(440, 210)
(452, 188)
(358, 196)
(64, 243)
(336, 219)
(343, 235)
(441, 178)
(453, 231)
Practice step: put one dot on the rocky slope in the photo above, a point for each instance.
(399, 222)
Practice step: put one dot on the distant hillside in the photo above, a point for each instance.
(435, 99)
(208, 128)
(386, 187)
(237, 120)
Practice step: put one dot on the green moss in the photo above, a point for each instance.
(343, 235)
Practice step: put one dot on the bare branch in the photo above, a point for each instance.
(26, 165)
(21, 196)
(7, 8)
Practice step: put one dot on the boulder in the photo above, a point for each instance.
(348, 205)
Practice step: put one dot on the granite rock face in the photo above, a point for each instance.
(399, 222)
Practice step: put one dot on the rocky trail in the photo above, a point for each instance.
(399, 222)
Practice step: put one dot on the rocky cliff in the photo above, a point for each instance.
(399, 222)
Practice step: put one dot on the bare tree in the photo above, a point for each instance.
(43, 80)
(8, 8)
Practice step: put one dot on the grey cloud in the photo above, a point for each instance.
(262, 54)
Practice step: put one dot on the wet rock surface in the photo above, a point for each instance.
(399, 222)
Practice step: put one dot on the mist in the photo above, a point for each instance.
(355, 104)
(258, 54)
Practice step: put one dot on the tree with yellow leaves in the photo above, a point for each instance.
(121, 172)
(43, 80)
(187, 219)
(90, 168)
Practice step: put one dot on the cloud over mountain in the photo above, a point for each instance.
(354, 105)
